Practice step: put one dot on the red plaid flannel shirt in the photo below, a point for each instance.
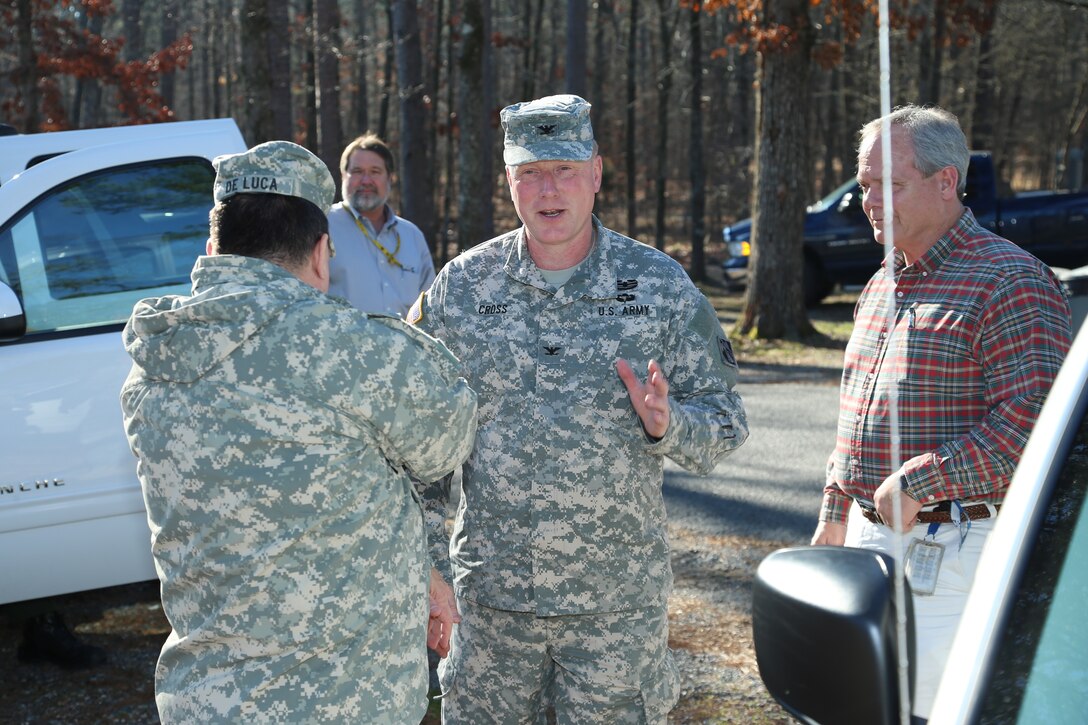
(980, 330)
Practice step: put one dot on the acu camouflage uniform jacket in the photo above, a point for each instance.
(561, 510)
(276, 429)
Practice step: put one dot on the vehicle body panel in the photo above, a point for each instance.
(1021, 650)
(71, 512)
(839, 248)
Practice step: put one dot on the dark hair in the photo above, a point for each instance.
(367, 142)
(277, 228)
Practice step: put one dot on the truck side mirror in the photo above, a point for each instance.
(823, 616)
(12, 317)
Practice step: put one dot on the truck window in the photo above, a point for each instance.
(1039, 672)
(84, 253)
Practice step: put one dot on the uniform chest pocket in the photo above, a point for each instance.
(577, 371)
(497, 364)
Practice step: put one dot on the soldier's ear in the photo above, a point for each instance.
(319, 263)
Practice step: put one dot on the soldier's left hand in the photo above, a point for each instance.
(651, 399)
(443, 614)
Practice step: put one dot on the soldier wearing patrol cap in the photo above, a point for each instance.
(276, 430)
(559, 551)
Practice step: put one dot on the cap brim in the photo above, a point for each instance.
(554, 151)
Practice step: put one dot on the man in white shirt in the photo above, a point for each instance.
(382, 260)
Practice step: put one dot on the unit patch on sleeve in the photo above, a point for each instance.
(726, 351)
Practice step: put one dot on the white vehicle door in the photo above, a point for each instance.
(82, 238)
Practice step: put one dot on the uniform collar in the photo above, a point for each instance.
(595, 277)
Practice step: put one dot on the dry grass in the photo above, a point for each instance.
(710, 627)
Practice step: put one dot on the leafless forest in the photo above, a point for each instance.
(685, 94)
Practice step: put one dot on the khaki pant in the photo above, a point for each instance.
(937, 615)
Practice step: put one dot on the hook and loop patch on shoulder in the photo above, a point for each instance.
(415, 315)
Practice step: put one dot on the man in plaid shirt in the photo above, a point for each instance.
(967, 350)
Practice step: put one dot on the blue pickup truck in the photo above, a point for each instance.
(839, 248)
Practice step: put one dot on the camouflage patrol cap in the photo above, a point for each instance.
(554, 128)
(275, 167)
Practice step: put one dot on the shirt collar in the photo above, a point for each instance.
(390, 215)
(943, 248)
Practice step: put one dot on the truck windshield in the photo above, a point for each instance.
(833, 198)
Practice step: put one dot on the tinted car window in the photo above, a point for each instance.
(1040, 673)
(85, 252)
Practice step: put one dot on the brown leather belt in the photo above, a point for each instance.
(940, 515)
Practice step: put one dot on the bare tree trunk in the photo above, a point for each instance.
(28, 63)
(279, 64)
(774, 306)
(534, 22)
(435, 87)
(451, 136)
(330, 135)
(698, 174)
(666, 22)
(983, 134)
(387, 86)
(208, 65)
(310, 54)
(256, 74)
(930, 92)
(360, 113)
(417, 197)
(168, 34)
(632, 99)
(575, 70)
(88, 90)
(77, 95)
(231, 56)
(833, 176)
(554, 43)
(488, 180)
(133, 29)
(600, 62)
(472, 125)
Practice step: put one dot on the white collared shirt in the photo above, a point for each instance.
(362, 274)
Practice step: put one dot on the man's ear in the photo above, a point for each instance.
(319, 259)
(949, 178)
(209, 248)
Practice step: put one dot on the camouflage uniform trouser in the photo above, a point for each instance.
(608, 668)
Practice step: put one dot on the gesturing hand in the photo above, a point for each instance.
(651, 399)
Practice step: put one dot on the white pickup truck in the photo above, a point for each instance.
(90, 222)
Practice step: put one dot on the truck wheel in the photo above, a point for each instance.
(814, 285)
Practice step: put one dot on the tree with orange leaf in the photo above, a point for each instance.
(51, 45)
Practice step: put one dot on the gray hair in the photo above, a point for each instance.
(936, 135)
